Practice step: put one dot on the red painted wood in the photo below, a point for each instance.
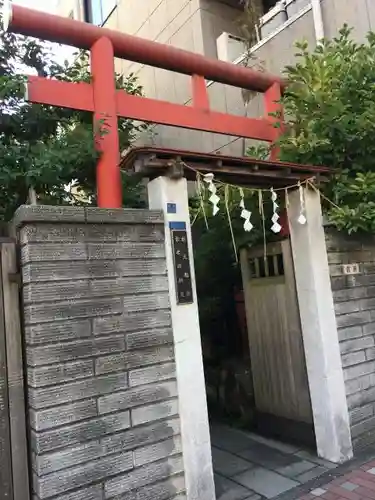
(108, 173)
(101, 96)
(200, 94)
(166, 113)
(84, 35)
(80, 95)
(63, 94)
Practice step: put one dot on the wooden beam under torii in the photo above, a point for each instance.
(249, 172)
(107, 104)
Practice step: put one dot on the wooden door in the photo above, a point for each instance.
(274, 330)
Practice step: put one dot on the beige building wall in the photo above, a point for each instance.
(172, 22)
(188, 24)
(274, 54)
(358, 14)
(216, 18)
(72, 8)
(195, 25)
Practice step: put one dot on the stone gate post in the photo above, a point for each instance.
(171, 196)
(319, 329)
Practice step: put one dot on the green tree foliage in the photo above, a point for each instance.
(330, 115)
(45, 147)
(215, 259)
(218, 274)
(329, 108)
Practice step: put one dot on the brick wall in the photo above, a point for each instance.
(354, 299)
(101, 384)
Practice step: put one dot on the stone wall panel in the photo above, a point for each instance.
(101, 379)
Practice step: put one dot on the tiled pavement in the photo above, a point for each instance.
(250, 467)
(358, 484)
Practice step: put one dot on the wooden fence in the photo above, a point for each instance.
(14, 482)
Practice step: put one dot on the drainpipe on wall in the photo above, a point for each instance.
(318, 20)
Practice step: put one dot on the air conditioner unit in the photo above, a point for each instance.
(229, 47)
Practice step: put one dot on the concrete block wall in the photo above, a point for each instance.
(101, 383)
(273, 56)
(216, 18)
(68, 8)
(354, 299)
(194, 25)
(172, 22)
(359, 15)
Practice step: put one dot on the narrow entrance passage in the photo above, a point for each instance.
(261, 425)
(231, 397)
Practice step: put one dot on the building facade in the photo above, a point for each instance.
(211, 28)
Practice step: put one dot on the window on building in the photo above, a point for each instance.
(97, 11)
(262, 6)
(268, 5)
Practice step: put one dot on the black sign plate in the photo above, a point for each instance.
(184, 289)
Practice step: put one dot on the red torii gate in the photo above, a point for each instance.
(107, 103)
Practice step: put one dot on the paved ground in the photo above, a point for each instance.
(357, 484)
(249, 467)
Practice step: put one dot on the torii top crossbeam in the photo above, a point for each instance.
(107, 103)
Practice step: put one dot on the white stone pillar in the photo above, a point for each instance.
(319, 330)
(171, 196)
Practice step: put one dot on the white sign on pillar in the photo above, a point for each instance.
(171, 196)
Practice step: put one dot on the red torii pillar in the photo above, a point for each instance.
(107, 103)
(108, 175)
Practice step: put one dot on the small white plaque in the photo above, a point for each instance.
(350, 269)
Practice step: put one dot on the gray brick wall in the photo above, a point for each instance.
(101, 381)
(354, 299)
